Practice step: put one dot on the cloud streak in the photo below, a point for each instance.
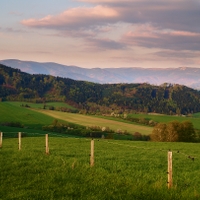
(104, 44)
(153, 37)
(75, 18)
(172, 14)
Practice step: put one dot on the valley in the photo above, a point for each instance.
(118, 120)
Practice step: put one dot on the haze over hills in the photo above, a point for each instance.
(157, 76)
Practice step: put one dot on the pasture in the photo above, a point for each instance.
(37, 117)
(196, 115)
(195, 119)
(122, 170)
(41, 105)
(87, 120)
(11, 111)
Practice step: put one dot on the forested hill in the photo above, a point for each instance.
(97, 98)
(156, 76)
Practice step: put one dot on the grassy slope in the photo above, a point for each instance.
(196, 115)
(40, 105)
(6, 130)
(167, 118)
(123, 170)
(96, 121)
(11, 112)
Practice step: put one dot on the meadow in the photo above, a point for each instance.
(87, 120)
(11, 111)
(41, 105)
(196, 115)
(35, 117)
(195, 118)
(122, 170)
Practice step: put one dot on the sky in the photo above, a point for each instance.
(102, 33)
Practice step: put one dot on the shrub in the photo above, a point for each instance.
(174, 132)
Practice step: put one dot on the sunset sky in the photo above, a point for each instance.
(102, 33)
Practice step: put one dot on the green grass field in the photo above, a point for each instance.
(36, 118)
(86, 120)
(11, 111)
(196, 115)
(195, 119)
(41, 105)
(12, 132)
(7, 129)
(123, 170)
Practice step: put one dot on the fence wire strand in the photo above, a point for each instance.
(189, 156)
(153, 149)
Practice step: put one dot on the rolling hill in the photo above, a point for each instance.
(36, 117)
(93, 98)
(157, 76)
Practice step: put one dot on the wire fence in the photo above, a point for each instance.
(7, 135)
(128, 145)
(35, 134)
(190, 156)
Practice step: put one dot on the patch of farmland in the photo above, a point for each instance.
(95, 121)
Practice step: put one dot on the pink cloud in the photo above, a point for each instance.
(81, 16)
(146, 35)
(142, 31)
(103, 44)
(184, 33)
(145, 23)
(149, 31)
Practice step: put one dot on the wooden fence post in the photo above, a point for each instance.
(20, 140)
(92, 154)
(47, 143)
(169, 170)
(1, 139)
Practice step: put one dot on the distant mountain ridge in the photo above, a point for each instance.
(157, 76)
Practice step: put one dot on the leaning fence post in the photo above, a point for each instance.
(1, 139)
(47, 144)
(169, 170)
(20, 140)
(92, 154)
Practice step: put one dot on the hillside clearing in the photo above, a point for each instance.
(39, 105)
(11, 112)
(95, 121)
(168, 118)
(37, 117)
